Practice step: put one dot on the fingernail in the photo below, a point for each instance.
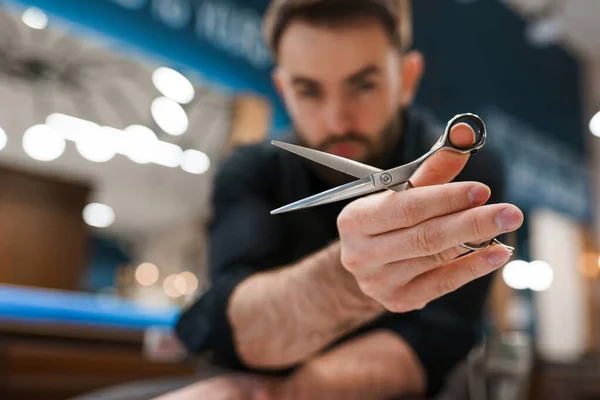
(499, 256)
(478, 195)
(508, 219)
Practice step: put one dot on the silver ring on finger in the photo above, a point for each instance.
(485, 245)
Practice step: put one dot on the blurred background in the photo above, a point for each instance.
(114, 115)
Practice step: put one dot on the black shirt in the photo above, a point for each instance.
(244, 238)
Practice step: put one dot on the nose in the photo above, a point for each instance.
(337, 116)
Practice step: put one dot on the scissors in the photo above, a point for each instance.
(371, 179)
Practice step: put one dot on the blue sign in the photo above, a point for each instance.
(221, 40)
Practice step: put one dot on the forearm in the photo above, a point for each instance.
(379, 365)
(281, 317)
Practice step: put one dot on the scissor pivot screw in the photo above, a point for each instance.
(386, 179)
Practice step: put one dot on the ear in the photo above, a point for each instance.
(277, 77)
(413, 66)
(281, 84)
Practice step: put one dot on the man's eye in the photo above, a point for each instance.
(309, 92)
(365, 86)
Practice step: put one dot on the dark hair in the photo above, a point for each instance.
(393, 14)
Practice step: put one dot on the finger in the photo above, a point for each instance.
(396, 210)
(441, 281)
(446, 165)
(381, 281)
(462, 135)
(417, 266)
(441, 233)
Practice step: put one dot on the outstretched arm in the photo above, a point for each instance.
(280, 318)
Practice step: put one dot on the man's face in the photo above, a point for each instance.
(343, 86)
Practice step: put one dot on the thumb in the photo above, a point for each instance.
(444, 166)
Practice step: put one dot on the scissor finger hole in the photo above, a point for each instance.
(465, 141)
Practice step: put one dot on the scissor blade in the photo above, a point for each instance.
(347, 191)
(350, 167)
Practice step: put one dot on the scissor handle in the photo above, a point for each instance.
(480, 135)
(400, 175)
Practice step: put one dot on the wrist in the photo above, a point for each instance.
(349, 287)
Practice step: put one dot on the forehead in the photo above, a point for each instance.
(331, 53)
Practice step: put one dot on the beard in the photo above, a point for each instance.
(378, 150)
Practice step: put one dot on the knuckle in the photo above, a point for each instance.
(351, 260)
(402, 304)
(447, 285)
(474, 270)
(346, 220)
(426, 240)
(477, 227)
(378, 220)
(398, 302)
(448, 200)
(357, 255)
(396, 307)
(439, 258)
(403, 210)
(419, 241)
(364, 287)
(369, 285)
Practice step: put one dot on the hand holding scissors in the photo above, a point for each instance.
(393, 242)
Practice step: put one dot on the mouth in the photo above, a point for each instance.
(346, 149)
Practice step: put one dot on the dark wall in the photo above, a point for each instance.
(478, 60)
(477, 56)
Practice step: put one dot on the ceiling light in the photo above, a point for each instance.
(173, 85)
(167, 154)
(3, 139)
(43, 143)
(169, 116)
(69, 127)
(140, 144)
(35, 18)
(195, 162)
(147, 274)
(515, 274)
(595, 124)
(96, 145)
(98, 215)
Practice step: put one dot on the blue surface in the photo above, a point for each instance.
(48, 306)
